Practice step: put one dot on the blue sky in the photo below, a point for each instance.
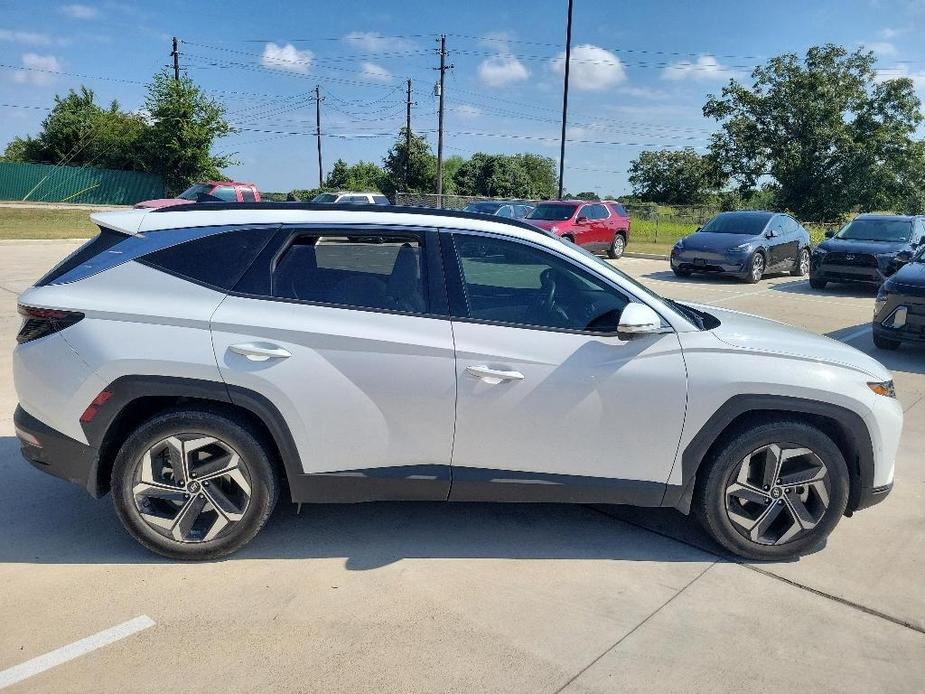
(640, 71)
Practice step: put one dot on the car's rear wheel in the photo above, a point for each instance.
(773, 491)
(617, 246)
(817, 283)
(194, 484)
(801, 263)
(883, 342)
(755, 268)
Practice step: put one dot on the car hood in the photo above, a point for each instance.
(162, 202)
(859, 246)
(547, 224)
(910, 277)
(709, 241)
(745, 331)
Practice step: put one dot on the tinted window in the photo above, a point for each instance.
(380, 200)
(226, 193)
(595, 212)
(194, 191)
(482, 207)
(515, 283)
(747, 223)
(355, 199)
(218, 260)
(325, 197)
(553, 213)
(380, 272)
(877, 229)
(248, 195)
(618, 208)
(505, 211)
(106, 239)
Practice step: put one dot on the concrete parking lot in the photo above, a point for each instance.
(423, 597)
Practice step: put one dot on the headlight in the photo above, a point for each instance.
(884, 388)
(740, 248)
(818, 250)
(679, 245)
(554, 230)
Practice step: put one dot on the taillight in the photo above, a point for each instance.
(94, 407)
(39, 322)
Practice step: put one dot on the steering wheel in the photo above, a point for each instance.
(546, 310)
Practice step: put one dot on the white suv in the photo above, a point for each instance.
(196, 360)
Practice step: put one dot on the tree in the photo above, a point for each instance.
(184, 124)
(585, 195)
(422, 166)
(541, 171)
(830, 135)
(672, 177)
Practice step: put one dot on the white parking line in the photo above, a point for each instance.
(40, 664)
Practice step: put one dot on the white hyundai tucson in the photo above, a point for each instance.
(195, 361)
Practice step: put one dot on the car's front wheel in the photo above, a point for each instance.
(755, 268)
(772, 491)
(194, 484)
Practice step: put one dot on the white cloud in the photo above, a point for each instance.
(643, 92)
(592, 68)
(80, 11)
(705, 68)
(902, 70)
(881, 48)
(372, 42)
(502, 69)
(286, 57)
(890, 33)
(467, 111)
(374, 72)
(37, 63)
(30, 37)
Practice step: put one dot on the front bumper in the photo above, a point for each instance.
(872, 496)
(709, 262)
(844, 272)
(913, 327)
(57, 454)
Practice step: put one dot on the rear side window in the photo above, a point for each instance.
(618, 208)
(226, 193)
(218, 260)
(248, 195)
(377, 272)
(380, 200)
(106, 239)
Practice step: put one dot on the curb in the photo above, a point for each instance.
(648, 256)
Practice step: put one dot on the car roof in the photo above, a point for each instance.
(202, 214)
(897, 217)
(226, 183)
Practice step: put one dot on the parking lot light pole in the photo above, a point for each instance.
(568, 55)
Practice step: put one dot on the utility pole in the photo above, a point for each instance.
(176, 60)
(443, 68)
(408, 137)
(318, 134)
(568, 54)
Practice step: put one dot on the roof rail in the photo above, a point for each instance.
(341, 207)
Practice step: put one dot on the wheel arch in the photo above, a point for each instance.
(134, 399)
(846, 429)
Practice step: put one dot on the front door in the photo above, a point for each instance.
(552, 404)
(341, 342)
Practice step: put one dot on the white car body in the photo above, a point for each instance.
(374, 405)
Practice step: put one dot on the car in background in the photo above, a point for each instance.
(500, 208)
(208, 191)
(899, 311)
(351, 198)
(746, 244)
(865, 249)
(594, 225)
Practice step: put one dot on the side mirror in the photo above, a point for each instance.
(638, 319)
(829, 233)
(581, 220)
(697, 229)
(897, 262)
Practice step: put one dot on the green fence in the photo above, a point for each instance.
(47, 183)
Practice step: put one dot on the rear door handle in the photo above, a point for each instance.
(260, 351)
(494, 376)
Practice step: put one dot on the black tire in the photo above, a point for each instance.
(231, 435)
(681, 273)
(568, 238)
(617, 246)
(817, 283)
(756, 268)
(717, 474)
(801, 263)
(883, 342)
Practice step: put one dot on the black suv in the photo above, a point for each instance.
(899, 312)
(866, 249)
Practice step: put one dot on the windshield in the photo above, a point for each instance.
(325, 197)
(874, 229)
(553, 213)
(194, 191)
(483, 207)
(747, 223)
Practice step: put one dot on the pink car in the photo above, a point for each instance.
(211, 191)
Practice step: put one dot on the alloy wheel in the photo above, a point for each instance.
(804, 262)
(619, 245)
(757, 267)
(191, 487)
(778, 493)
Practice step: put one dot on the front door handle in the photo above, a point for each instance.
(260, 351)
(494, 376)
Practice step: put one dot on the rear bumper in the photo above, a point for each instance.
(57, 454)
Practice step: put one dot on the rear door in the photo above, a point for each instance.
(345, 331)
(778, 243)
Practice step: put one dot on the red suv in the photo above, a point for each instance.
(598, 226)
(212, 191)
